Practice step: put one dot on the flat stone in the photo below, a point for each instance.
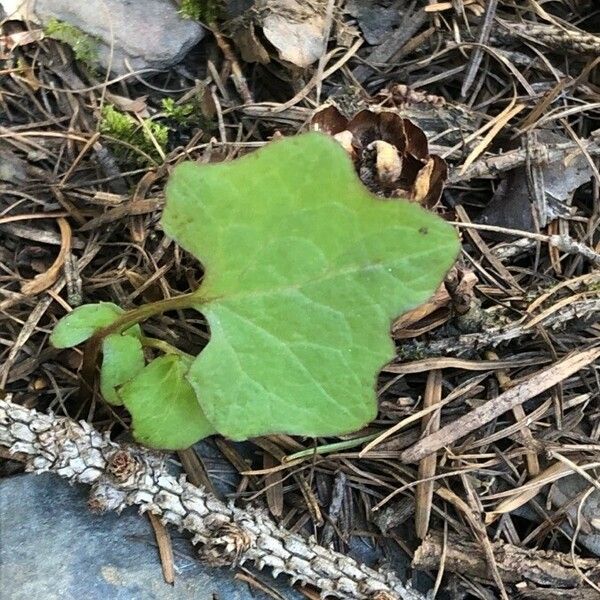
(52, 547)
(375, 21)
(570, 490)
(143, 34)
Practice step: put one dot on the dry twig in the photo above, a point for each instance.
(516, 565)
(514, 396)
(129, 475)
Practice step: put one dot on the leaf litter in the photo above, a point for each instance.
(523, 299)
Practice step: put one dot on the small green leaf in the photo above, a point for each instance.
(122, 359)
(304, 272)
(165, 411)
(83, 322)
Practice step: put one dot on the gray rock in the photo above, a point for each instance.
(148, 34)
(52, 547)
(375, 21)
(571, 490)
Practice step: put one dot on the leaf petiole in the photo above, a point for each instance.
(132, 317)
(150, 342)
(329, 448)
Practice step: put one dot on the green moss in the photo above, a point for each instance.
(206, 11)
(85, 47)
(124, 127)
(181, 113)
(116, 124)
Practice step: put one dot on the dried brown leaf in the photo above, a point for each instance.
(297, 30)
(523, 495)
(45, 280)
(250, 47)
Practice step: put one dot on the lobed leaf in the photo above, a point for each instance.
(304, 272)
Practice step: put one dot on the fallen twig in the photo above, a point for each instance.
(130, 475)
(471, 344)
(569, 39)
(538, 383)
(516, 565)
(494, 165)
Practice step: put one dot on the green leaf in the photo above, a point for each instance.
(122, 359)
(83, 322)
(304, 272)
(164, 407)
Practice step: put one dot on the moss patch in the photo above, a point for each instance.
(85, 47)
(181, 113)
(206, 11)
(125, 128)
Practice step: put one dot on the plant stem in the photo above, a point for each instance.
(163, 346)
(328, 448)
(131, 317)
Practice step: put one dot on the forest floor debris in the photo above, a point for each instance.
(509, 97)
